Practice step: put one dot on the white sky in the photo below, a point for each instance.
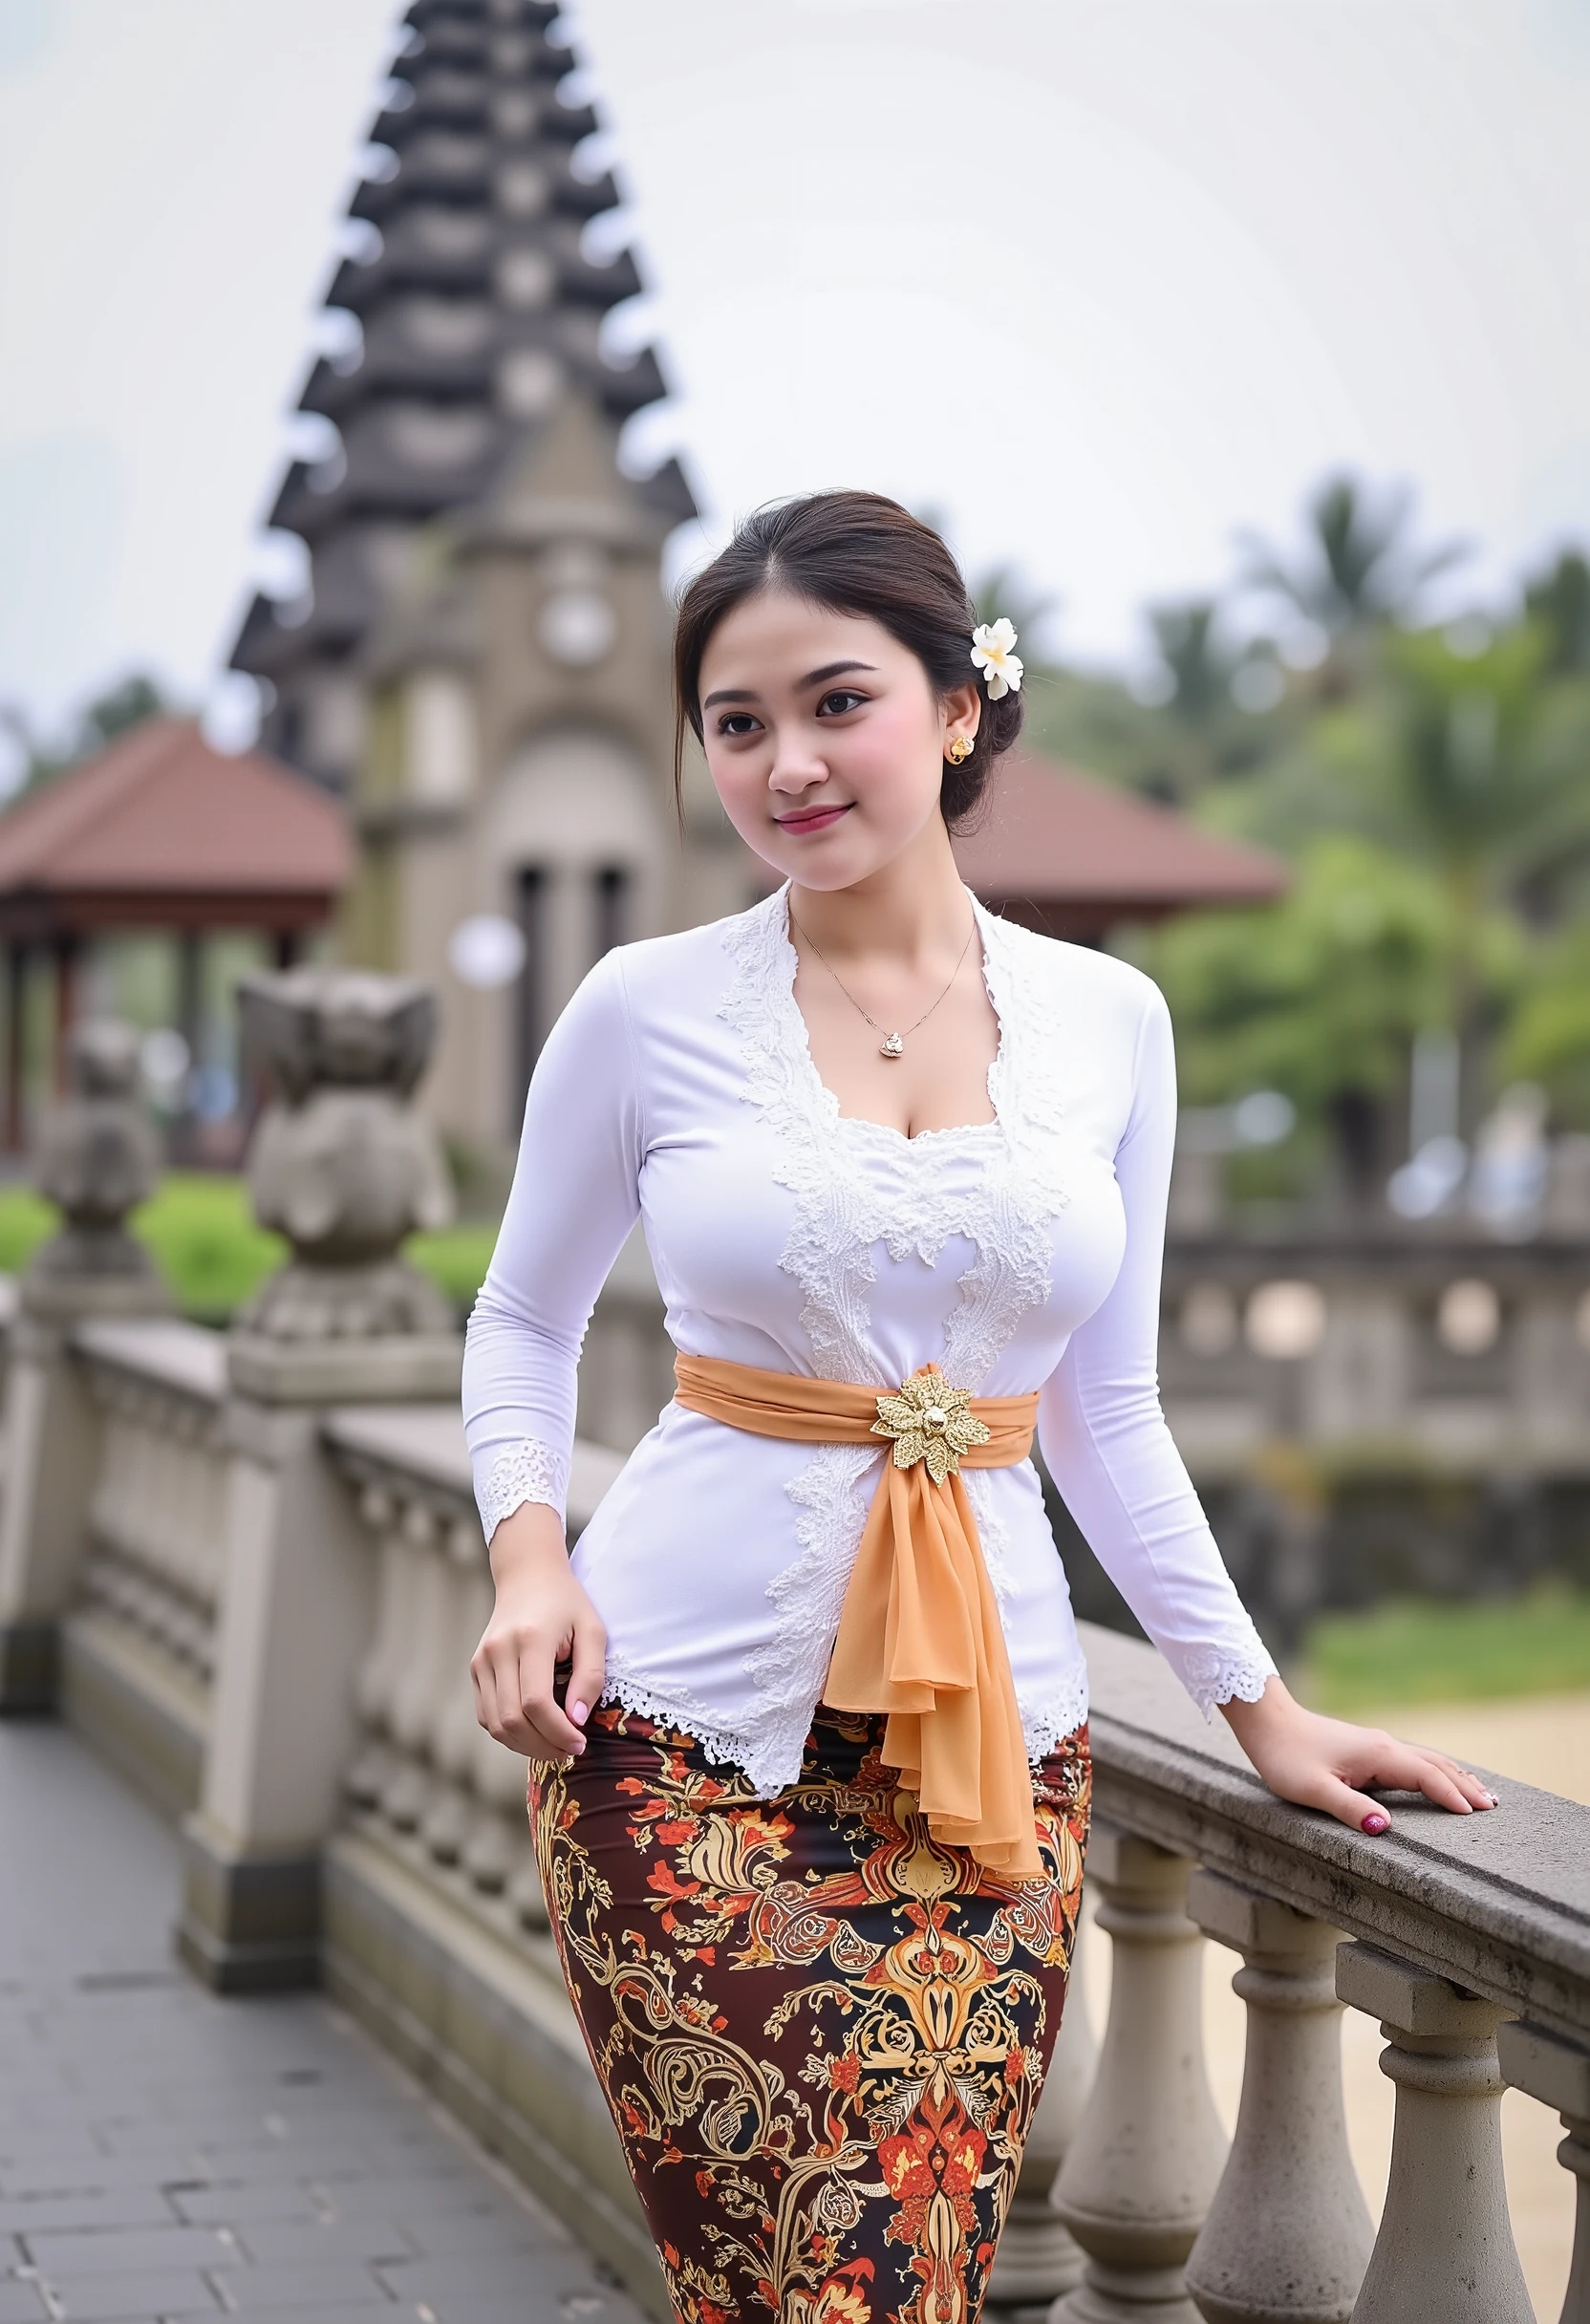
(1103, 283)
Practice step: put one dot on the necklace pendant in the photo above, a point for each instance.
(893, 1047)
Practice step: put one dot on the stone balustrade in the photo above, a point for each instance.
(156, 1514)
(428, 1781)
(249, 1567)
(1468, 1938)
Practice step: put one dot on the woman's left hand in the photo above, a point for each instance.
(1320, 1762)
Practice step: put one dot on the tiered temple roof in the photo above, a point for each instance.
(476, 309)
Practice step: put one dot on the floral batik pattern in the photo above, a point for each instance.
(821, 2033)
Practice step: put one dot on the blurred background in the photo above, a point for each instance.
(367, 385)
(369, 376)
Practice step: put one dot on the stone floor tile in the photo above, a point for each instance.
(299, 2283)
(152, 2120)
(134, 2251)
(511, 2278)
(358, 2313)
(95, 2299)
(504, 2230)
(411, 2199)
(78, 2208)
(291, 2239)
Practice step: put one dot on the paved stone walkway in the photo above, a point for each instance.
(167, 2154)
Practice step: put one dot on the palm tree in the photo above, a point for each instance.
(1559, 601)
(1358, 570)
(1481, 776)
(1198, 662)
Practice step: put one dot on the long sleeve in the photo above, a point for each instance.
(1104, 1437)
(574, 1199)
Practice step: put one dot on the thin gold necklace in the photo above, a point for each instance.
(893, 1045)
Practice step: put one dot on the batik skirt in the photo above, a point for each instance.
(820, 2032)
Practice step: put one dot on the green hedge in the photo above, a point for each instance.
(202, 1236)
(1424, 1650)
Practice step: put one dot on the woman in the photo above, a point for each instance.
(810, 1808)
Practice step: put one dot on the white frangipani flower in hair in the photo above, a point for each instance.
(992, 643)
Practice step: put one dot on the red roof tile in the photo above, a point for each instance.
(1074, 847)
(158, 812)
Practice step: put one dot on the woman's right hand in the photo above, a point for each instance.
(542, 1618)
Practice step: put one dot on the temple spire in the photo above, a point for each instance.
(471, 314)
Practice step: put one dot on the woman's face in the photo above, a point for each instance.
(823, 737)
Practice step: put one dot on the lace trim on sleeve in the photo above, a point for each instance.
(1234, 1672)
(528, 1471)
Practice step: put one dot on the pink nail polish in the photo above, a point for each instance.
(1377, 1822)
(579, 1714)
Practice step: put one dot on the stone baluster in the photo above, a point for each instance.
(1039, 2258)
(1445, 2250)
(449, 1825)
(423, 1672)
(1557, 2072)
(1288, 2235)
(1149, 2152)
(377, 1675)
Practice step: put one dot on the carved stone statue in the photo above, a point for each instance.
(98, 1156)
(341, 1163)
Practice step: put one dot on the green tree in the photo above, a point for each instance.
(1359, 570)
(1559, 602)
(1478, 767)
(115, 712)
(1547, 1038)
(1320, 995)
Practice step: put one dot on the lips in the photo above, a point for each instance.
(812, 819)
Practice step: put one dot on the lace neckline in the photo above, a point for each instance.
(824, 1101)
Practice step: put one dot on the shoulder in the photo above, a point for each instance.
(1073, 979)
(691, 969)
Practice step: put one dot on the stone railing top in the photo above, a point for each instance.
(424, 1442)
(1497, 1903)
(162, 1350)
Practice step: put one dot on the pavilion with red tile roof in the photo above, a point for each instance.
(1071, 856)
(159, 831)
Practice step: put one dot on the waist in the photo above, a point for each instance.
(927, 1420)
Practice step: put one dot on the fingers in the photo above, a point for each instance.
(1355, 1809)
(1408, 1767)
(513, 1695)
(588, 1670)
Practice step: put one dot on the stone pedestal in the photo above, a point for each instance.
(298, 1603)
(96, 1159)
(345, 1168)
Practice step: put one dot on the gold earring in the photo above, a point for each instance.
(960, 749)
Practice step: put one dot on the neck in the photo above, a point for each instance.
(912, 909)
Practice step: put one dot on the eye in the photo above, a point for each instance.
(834, 705)
(736, 725)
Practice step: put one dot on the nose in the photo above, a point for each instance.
(798, 764)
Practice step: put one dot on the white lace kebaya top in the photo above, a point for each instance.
(1022, 1253)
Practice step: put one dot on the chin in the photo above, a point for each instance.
(826, 870)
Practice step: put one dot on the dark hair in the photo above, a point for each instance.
(854, 552)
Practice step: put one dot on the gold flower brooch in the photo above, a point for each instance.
(930, 1420)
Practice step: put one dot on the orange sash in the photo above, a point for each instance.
(919, 1634)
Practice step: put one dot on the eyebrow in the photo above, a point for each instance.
(813, 678)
